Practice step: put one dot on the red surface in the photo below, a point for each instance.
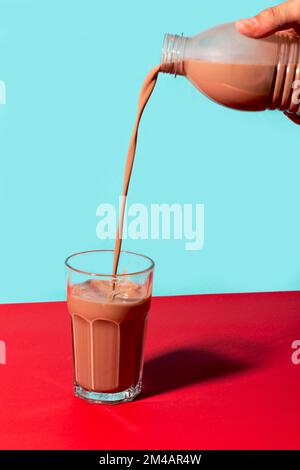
(218, 374)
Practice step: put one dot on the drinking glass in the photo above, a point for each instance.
(109, 315)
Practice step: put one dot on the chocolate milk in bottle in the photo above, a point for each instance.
(237, 71)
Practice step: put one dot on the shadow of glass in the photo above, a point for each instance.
(181, 367)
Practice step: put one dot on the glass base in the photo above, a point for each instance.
(108, 398)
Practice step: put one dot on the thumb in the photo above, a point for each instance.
(271, 20)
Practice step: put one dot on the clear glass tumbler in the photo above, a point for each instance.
(108, 317)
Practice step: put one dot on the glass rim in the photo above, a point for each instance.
(144, 271)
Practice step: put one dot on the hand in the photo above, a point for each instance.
(283, 17)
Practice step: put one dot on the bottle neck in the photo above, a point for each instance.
(173, 54)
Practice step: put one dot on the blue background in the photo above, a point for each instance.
(73, 70)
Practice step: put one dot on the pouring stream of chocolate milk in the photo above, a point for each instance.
(146, 91)
(233, 70)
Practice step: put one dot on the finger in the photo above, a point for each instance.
(273, 19)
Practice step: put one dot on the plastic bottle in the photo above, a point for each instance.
(237, 71)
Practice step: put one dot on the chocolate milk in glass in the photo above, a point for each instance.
(109, 316)
(108, 335)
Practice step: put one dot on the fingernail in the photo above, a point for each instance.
(252, 22)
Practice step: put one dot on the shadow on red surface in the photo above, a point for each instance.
(182, 367)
